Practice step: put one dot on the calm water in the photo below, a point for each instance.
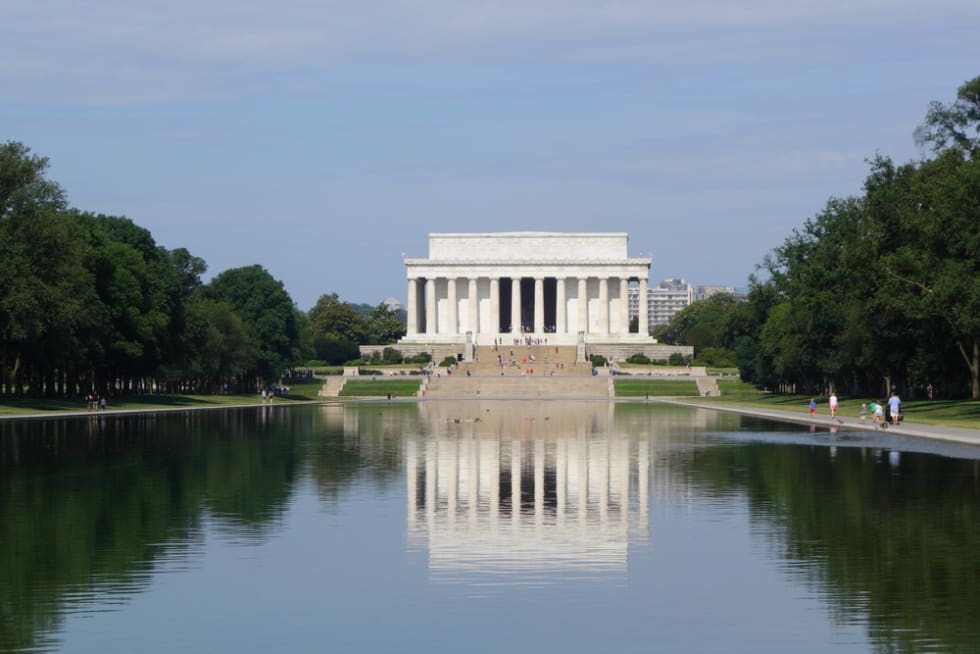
(483, 527)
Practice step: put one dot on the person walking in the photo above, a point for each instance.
(833, 405)
(813, 407)
(895, 407)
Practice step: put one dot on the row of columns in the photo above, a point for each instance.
(561, 318)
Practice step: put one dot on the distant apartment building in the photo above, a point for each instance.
(669, 297)
(664, 300)
(704, 292)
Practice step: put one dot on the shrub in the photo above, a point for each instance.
(391, 355)
(598, 360)
(638, 358)
(677, 359)
(448, 361)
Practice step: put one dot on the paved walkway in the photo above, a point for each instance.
(933, 432)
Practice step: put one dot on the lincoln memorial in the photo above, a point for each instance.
(565, 288)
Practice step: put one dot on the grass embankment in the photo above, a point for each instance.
(380, 387)
(299, 392)
(950, 413)
(656, 387)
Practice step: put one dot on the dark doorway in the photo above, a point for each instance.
(527, 303)
(506, 293)
(550, 304)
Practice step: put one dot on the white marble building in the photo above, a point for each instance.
(568, 288)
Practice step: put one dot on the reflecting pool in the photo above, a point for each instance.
(482, 527)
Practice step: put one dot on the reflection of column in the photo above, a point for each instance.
(474, 307)
(599, 464)
(644, 320)
(515, 305)
(582, 459)
(494, 305)
(452, 480)
(539, 483)
(430, 306)
(412, 328)
(624, 306)
(583, 306)
(411, 478)
(472, 480)
(643, 484)
(621, 474)
(538, 305)
(515, 482)
(603, 306)
(494, 481)
(560, 308)
(561, 479)
(431, 455)
(452, 324)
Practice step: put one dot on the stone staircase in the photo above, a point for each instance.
(520, 387)
(542, 359)
(332, 386)
(708, 387)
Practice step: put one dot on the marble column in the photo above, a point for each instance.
(494, 305)
(538, 305)
(515, 306)
(624, 305)
(412, 327)
(452, 323)
(430, 306)
(583, 306)
(603, 306)
(644, 318)
(560, 308)
(474, 308)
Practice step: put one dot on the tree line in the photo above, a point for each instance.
(90, 303)
(877, 291)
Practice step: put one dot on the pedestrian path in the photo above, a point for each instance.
(911, 429)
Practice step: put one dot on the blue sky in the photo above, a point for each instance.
(326, 139)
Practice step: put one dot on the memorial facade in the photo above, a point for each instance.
(563, 288)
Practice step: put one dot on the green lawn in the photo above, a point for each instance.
(952, 413)
(301, 392)
(381, 387)
(656, 387)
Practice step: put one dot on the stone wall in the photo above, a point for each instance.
(621, 352)
(439, 351)
(528, 247)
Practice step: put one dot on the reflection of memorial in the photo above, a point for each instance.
(525, 486)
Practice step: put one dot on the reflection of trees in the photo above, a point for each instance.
(89, 505)
(899, 544)
(359, 443)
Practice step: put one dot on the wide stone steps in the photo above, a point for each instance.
(543, 359)
(333, 386)
(518, 386)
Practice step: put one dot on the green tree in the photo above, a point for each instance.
(330, 315)
(384, 325)
(956, 124)
(269, 316)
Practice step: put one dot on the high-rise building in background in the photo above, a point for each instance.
(671, 296)
(664, 300)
